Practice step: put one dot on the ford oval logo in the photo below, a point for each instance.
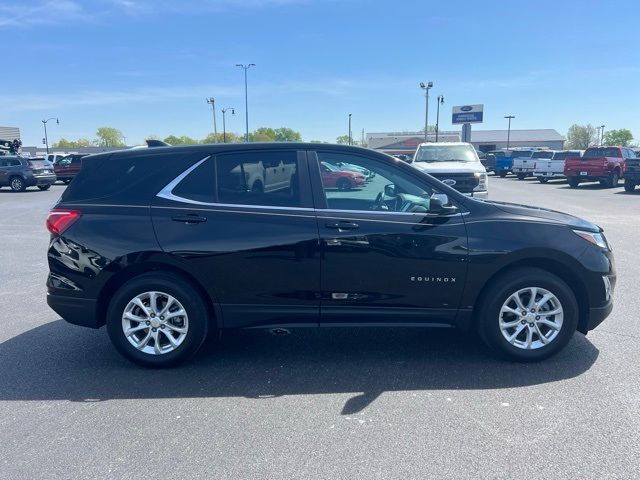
(449, 181)
(466, 108)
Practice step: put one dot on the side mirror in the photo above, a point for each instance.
(439, 203)
(390, 190)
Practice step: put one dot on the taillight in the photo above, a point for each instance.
(60, 219)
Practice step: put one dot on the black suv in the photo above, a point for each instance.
(183, 241)
(20, 173)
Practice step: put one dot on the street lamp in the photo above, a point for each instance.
(46, 138)
(426, 89)
(224, 125)
(509, 129)
(246, 98)
(440, 101)
(601, 134)
(350, 142)
(212, 101)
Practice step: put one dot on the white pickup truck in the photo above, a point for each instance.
(525, 160)
(553, 167)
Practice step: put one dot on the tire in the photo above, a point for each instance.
(613, 179)
(17, 184)
(44, 187)
(164, 285)
(343, 184)
(66, 181)
(543, 179)
(573, 182)
(502, 291)
(629, 185)
(522, 176)
(502, 174)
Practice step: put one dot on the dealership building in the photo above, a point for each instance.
(482, 140)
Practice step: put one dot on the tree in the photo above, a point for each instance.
(343, 140)
(580, 137)
(219, 138)
(64, 143)
(284, 134)
(109, 137)
(621, 137)
(183, 140)
(263, 134)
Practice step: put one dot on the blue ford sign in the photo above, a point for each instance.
(467, 114)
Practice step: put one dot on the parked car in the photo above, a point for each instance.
(68, 167)
(19, 173)
(56, 157)
(631, 170)
(488, 161)
(368, 175)
(334, 177)
(524, 161)
(162, 254)
(454, 163)
(553, 168)
(602, 164)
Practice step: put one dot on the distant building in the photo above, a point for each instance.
(482, 140)
(9, 133)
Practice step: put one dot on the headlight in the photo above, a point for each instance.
(482, 182)
(594, 238)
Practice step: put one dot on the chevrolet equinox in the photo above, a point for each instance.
(165, 245)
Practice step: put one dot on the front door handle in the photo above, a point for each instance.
(191, 218)
(343, 225)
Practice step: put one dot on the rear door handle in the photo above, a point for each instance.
(191, 218)
(342, 225)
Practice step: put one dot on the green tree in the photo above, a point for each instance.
(64, 143)
(284, 134)
(263, 134)
(219, 138)
(183, 140)
(109, 137)
(621, 137)
(343, 140)
(580, 137)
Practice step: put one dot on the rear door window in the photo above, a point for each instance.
(267, 178)
(199, 185)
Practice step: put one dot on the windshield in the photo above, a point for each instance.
(601, 152)
(446, 153)
(330, 167)
(542, 154)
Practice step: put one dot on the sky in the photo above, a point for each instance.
(147, 66)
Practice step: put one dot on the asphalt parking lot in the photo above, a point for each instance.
(339, 404)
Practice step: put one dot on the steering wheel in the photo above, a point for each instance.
(378, 203)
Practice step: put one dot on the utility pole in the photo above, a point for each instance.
(362, 139)
(440, 101)
(224, 125)
(426, 89)
(601, 134)
(350, 141)
(509, 129)
(246, 98)
(46, 138)
(212, 101)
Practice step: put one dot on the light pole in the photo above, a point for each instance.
(350, 142)
(601, 134)
(224, 125)
(440, 101)
(212, 101)
(246, 98)
(46, 138)
(426, 109)
(509, 129)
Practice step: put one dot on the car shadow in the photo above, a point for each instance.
(58, 361)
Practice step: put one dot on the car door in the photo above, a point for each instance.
(387, 257)
(256, 249)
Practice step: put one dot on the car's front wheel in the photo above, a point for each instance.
(44, 187)
(18, 184)
(343, 184)
(543, 179)
(629, 185)
(157, 320)
(528, 315)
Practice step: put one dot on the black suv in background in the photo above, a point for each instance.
(20, 173)
(632, 171)
(182, 241)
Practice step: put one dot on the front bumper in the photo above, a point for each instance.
(596, 316)
(75, 310)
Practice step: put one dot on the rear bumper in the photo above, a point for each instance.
(79, 311)
(549, 174)
(41, 180)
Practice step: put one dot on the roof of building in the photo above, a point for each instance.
(9, 133)
(532, 135)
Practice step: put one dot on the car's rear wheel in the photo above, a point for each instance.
(528, 315)
(502, 174)
(543, 179)
(629, 185)
(521, 176)
(343, 184)
(573, 182)
(157, 320)
(613, 179)
(44, 187)
(18, 184)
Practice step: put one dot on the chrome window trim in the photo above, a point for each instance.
(167, 191)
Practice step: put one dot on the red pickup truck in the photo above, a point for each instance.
(598, 164)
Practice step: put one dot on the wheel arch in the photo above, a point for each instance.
(131, 271)
(554, 266)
